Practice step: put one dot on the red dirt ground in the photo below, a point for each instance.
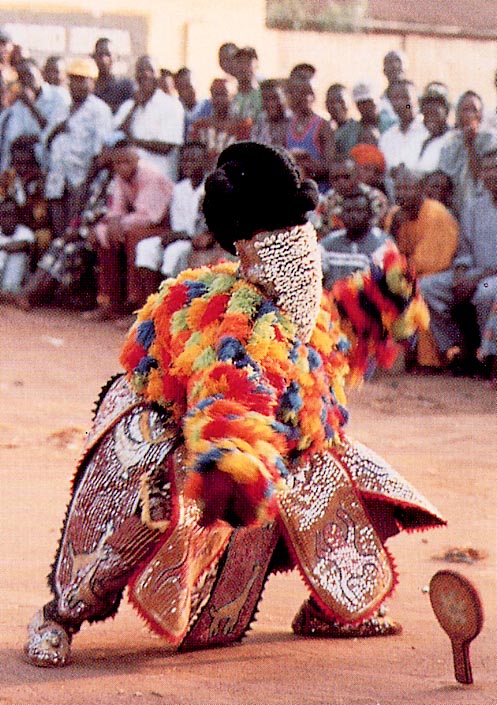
(438, 431)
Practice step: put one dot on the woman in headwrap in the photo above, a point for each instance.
(220, 456)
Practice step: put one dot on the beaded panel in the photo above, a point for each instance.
(339, 553)
(374, 476)
(118, 400)
(226, 616)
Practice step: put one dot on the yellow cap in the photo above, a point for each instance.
(84, 66)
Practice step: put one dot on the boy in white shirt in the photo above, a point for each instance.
(169, 254)
(16, 241)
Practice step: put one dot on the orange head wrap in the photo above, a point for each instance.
(368, 154)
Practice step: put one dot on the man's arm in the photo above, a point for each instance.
(326, 142)
(27, 97)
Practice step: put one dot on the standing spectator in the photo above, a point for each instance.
(461, 155)
(166, 82)
(222, 128)
(302, 70)
(37, 110)
(108, 87)
(8, 74)
(247, 103)
(227, 58)
(16, 242)
(54, 70)
(427, 234)
(373, 123)
(345, 128)
(401, 143)
(187, 94)
(310, 132)
(139, 204)
(473, 275)
(394, 68)
(271, 127)
(54, 73)
(75, 143)
(435, 108)
(350, 249)
(153, 120)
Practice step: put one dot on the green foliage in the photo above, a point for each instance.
(317, 15)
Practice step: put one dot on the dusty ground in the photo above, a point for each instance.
(439, 431)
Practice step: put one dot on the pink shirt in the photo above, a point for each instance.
(142, 201)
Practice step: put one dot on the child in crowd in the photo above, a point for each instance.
(16, 242)
(169, 254)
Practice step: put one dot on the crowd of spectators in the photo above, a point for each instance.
(101, 182)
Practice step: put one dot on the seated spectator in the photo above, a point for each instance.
(37, 110)
(74, 145)
(168, 253)
(427, 234)
(487, 352)
(65, 274)
(345, 183)
(351, 248)
(24, 183)
(460, 157)
(247, 103)
(140, 200)
(271, 127)
(111, 89)
(435, 108)
(222, 128)
(472, 278)
(206, 251)
(370, 164)
(153, 120)
(401, 143)
(438, 186)
(187, 94)
(309, 131)
(16, 241)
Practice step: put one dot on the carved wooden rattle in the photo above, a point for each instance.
(458, 608)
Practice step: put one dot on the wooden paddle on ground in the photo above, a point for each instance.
(458, 608)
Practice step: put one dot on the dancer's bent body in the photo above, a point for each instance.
(220, 456)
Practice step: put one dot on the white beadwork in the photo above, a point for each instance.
(290, 268)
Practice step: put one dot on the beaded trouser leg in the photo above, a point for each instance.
(92, 592)
(311, 621)
(103, 542)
